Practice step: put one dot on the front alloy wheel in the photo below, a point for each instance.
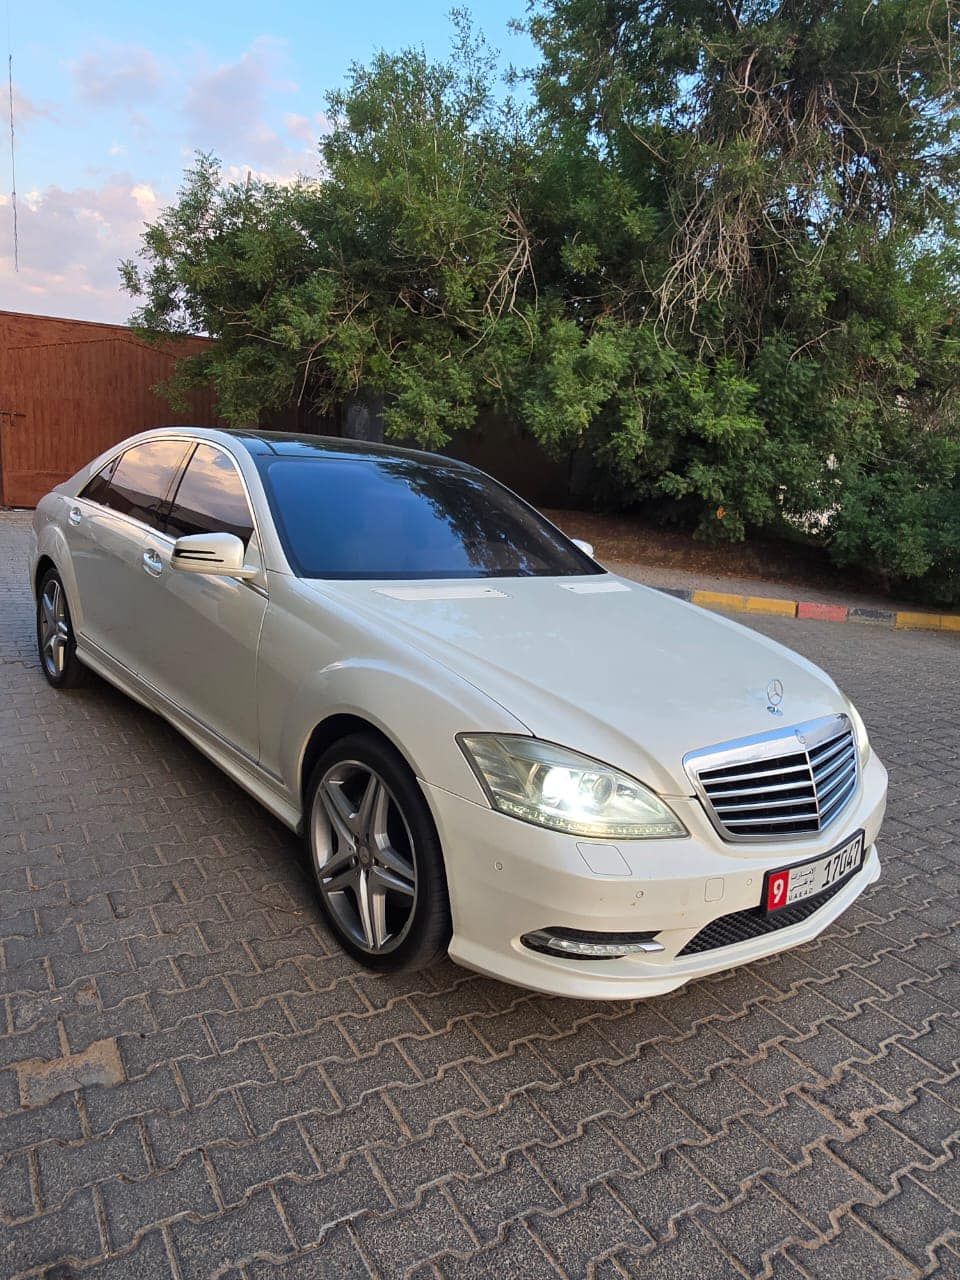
(376, 856)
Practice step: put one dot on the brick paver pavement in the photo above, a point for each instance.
(212, 1089)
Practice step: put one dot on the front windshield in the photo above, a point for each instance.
(396, 517)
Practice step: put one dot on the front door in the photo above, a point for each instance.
(205, 629)
(107, 530)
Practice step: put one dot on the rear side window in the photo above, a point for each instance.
(142, 480)
(96, 488)
(210, 498)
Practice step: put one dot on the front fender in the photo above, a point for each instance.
(318, 660)
(421, 718)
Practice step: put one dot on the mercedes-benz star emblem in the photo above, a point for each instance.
(775, 697)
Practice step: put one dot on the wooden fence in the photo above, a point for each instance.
(69, 390)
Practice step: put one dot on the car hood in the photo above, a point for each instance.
(602, 665)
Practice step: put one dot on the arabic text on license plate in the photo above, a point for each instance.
(792, 884)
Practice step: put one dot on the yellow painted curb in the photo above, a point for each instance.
(904, 620)
(771, 604)
(745, 604)
(718, 600)
(918, 621)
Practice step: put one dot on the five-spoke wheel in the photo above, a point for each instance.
(376, 856)
(369, 878)
(55, 639)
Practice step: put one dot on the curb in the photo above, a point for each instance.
(904, 620)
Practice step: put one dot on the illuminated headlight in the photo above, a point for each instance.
(556, 788)
(859, 732)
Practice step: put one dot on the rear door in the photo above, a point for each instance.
(205, 629)
(107, 529)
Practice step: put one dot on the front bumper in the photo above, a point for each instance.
(508, 878)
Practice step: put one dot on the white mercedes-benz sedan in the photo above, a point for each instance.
(493, 747)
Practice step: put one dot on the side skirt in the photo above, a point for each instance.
(263, 786)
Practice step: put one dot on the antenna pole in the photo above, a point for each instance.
(13, 169)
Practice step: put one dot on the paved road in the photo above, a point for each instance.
(214, 1090)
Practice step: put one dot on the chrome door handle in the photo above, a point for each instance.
(152, 563)
(75, 516)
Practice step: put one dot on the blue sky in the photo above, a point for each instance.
(112, 99)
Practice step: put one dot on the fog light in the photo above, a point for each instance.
(581, 944)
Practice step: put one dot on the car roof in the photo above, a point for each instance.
(300, 444)
(263, 444)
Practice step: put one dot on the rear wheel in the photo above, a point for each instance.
(56, 643)
(376, 856)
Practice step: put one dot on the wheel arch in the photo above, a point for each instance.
(44, 564)
(331, 730)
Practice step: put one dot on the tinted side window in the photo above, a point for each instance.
(210, 498)
(96, 489)
(143, 479)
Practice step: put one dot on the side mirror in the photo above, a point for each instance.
(211, 553)
(585, 547)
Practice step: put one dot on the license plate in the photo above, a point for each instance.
(792, 884)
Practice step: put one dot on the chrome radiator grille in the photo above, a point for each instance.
(793, 782)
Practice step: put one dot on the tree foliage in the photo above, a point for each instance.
(718, 253)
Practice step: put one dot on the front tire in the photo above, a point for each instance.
(376, 856)
(56, 642)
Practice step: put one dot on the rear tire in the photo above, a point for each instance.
(56, 642)
(376, 856)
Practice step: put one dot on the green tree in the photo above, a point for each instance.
(405, 271)
(773, 218)
(718, 253)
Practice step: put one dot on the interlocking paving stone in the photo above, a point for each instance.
(852, 1255)
(516, 1254)
(736, 1157)
(313, 1207)
(16, 1189)
(147, 1260)
(337, 1258)
(419, 1106)
(487, 1202)
(823, 1188)
(395, 1242)
(670, 1188)
(690, 1252)
(255, 1229)
(912, 1221)
(269, 1102)
(23, 1128)
(571, 1236)
(41, 1081)
(72, 1232)
(754, 1226)
(290, 1116)
(131, 1207)
(62, 1167)
(515, 1124)
(263, 1160)
(196, 1128)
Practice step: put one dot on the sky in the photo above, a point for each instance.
(112, 99)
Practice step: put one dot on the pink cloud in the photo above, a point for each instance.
(72, 238)
(117, 75)
(228, 108)
(308, 130)
(70, 244)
